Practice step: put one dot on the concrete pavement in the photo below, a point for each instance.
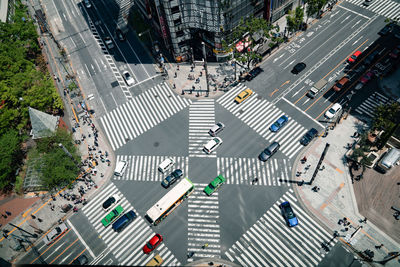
(336, 200)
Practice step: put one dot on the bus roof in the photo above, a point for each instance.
(169, 199)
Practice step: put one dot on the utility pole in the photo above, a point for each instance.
(22, 230)
(205, 67)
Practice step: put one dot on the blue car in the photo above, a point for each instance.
(288, 214)
(279, 123)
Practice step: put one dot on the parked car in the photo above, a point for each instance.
(330, 113)
(120, 35)
(370, 58)
(54, 234)
(276, 126)
(216, 129)
(172, 178)
(340, 84)
(109, 42)
(299, 67)
(242, 96)
(253, 73)
(395, 52)
(214, 185)
(87, 3)
(81, 260)
(308, 136)
(368, 76)
(152, 244)
(128, 78)
(269, 151)
(111, 202)
(354, 57)
(288, 214)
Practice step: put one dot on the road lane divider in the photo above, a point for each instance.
(81, 239)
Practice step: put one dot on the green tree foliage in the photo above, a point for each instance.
(295, 19)
(386, 116)
(21, 82)
(56, 167)
(244, 32)
(10, 156)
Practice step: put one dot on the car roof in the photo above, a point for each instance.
(336, 106)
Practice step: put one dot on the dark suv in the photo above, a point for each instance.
(253, 73)
(172, 178)
(309, 136)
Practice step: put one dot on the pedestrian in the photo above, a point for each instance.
(379, 246)
(304, 160)
(33, 216)
(8, 213)
(4, 216)
(176, 75)
(322, 168)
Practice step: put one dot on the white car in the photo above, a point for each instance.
(55, 233)
(109, 42)
(128, 78)
(216, 129)
(212, 145)
(111, 202)
(330, 113)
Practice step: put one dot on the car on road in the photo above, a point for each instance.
(253, 73)
(368, 76)
(128, 78)
(124, 221)
(81, 260)
(155, 261)
(87, 3)
(109, 42)
(276, 126)
(111, 202)
(216, 129)
(112, 216)
(212, 145)
(152, 244)
(308, 136)
(340, 84)
(269, 151)
(367, 2)
(385, 30)
(214, 185)
(288, 214)
(359, 85)
(299, 67)
(172, 178)
(371, 57)
(395, 52)
(354, 57)
(55, 234)
(330, 113)
(242, 96)
(120, 35)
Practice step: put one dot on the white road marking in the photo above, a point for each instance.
(81, 239)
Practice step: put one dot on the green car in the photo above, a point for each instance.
(112, 216)
(217, 182)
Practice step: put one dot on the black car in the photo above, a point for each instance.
(371, 57)
(387, 29)
(172, 178)
(269, 151)
(81, 260)
(299, 67)
(120, 34)
(309, 136)
(253, 73)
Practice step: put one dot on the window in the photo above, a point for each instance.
(175, 10)
(177, 22)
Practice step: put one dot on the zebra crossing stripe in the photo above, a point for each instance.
(386, 8)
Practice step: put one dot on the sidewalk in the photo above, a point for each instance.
(336, 198)
(38, 213)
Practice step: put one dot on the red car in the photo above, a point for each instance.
(152, 244)
(395, 52)
(368, 76)
(354, 57)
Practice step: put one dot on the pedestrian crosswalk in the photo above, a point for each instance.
(245, 170)
(145, 168)
(143, 112)
(201, 119)
(373, 101)
(203, 227)
(259, 114)
(270, 242)
(387, 8)
(126, 245)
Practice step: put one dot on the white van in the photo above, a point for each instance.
(389, 159)
(121, 166)
(166, 165)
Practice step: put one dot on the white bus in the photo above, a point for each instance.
(170, 201)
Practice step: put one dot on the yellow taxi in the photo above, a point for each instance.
(155, 261)
(243, 96)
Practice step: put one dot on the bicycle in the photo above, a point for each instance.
(204, 246)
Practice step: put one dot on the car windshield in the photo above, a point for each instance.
(58, 229)
(289, 213)
(339, 85)
(127, 75)
(149, 245)
(354, 57)
(266, 151)
(219, 125)
(332, 111)
(165, 181)
(276, 124)
(211, 186)
(108, 202)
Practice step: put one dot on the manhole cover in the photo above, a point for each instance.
(156, 144)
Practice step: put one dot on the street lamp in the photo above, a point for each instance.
(148, 32)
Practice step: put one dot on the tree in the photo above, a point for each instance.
(386, 116)
(295, 19)
(10, 143)
(57, 169)
(244, 32)
(312, 8)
